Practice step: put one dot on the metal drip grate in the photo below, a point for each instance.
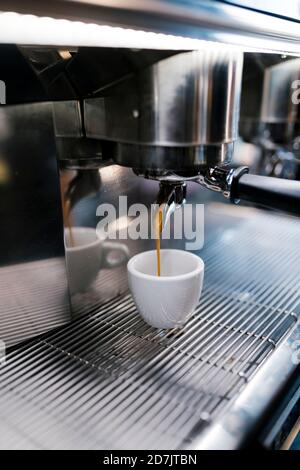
(108, 380)
(34, 298)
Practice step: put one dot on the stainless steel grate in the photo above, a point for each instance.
(34, 299)
(110, 381)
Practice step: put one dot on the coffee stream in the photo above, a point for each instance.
(68, 220)
(158, 235)
(66, 203)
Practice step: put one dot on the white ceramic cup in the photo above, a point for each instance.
(89, 255)
(166, 301)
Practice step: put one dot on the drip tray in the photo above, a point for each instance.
(109, 381)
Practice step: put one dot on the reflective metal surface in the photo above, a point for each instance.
(254, 68)
(34, 298)
(166, 114)
(270, 113)
(74, 150)
(208, 20)
(238, 422)
(109, 381)
(170, 197)
(270, 110)
(280, 112)
(33, 281)
(160, 162)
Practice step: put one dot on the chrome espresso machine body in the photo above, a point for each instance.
(157, 102)
(271, 121)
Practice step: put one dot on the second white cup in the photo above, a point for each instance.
(89, 255)
(166, 301)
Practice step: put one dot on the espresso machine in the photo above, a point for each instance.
(155, 101)
(271, 122)
(202, 89)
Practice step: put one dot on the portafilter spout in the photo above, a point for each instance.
(233, 183)
(170, 197)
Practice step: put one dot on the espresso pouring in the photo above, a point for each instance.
(158, 235)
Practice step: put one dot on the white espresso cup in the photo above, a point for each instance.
(90, 254)
(168, 300)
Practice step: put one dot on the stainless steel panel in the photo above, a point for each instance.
(164, 116)
(110, 381)
(67, 119)
(277, 104)
(74, 150)
(280, 111)
(33, 281)
(172, 103)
